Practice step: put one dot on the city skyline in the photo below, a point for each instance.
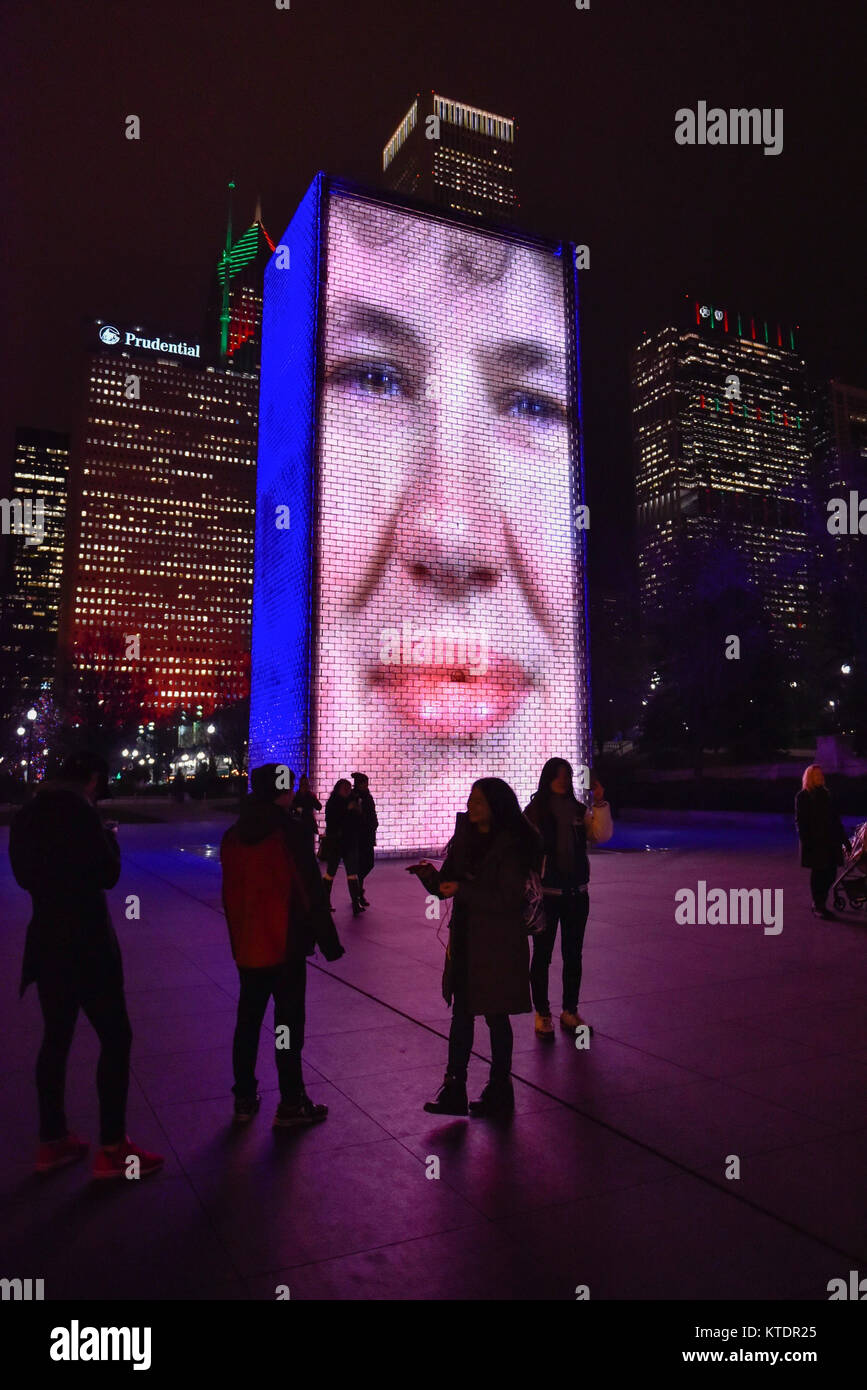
(599, 165)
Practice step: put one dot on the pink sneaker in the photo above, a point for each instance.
(56, 1153)
(112, 1163)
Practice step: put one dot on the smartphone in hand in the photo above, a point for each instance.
(427, 874)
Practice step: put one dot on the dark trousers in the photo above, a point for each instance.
(570, 910)
(820, 883)
(100, 996)
(287, 983)
(461, 1036)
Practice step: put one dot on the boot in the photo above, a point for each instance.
(355, 894)
(498, 1098)
(361, 898)
(328, 884)
(451, 1098)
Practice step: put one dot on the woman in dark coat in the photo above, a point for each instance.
(342, 831)
(487, 963)
(821, 834)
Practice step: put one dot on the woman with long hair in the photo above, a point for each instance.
(342, 829)
(822, 836)
(566, 826)
(485, 872)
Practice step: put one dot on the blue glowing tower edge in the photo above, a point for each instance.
(283, 592)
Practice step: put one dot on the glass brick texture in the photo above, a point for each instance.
(280, 703)
(442, 633)
(449, 633)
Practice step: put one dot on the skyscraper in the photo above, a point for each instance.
(235, 310)
(840, 462)
(35, 560)
(458, 157)
(839, 437)
(722, 465)
(158, 577)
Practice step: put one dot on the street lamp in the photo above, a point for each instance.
(846, 669)
(32, 716)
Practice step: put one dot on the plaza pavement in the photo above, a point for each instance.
(710, 1042)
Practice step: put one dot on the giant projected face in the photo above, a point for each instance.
(446, 641)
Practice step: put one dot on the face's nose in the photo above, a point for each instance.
(450, 537)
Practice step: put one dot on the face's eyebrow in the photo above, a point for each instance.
(355, 316)
(526, 355)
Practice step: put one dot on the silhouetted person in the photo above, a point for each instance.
(822, 836)
(277, 915)
(66, 859)
(342, 834)
(485, 872)
(367, 834)
(179, 787)
(304, 809)
(567, 826)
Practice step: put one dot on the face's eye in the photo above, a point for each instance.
(528, 405)
(371, 378)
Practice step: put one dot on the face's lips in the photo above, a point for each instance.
(450, 702)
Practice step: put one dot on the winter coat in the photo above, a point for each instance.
(303, 811)
(819, 829)
(343, 821)
(369, 818)
(273, 897)
(488, 949)
(65, 858)
(593, 826)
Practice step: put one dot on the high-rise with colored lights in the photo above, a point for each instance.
(722, 464)
(235, 311)
(456, 156)
(159, 560)
(35, 560)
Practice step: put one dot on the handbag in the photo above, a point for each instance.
(326, 845)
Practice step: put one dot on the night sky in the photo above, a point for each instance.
(97, 225)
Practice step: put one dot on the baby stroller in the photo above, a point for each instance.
(850, 886)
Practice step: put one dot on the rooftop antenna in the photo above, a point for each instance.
(225, 314)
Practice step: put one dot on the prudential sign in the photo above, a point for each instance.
(112, 336)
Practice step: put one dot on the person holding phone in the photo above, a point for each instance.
(567, 826)
(485, 872)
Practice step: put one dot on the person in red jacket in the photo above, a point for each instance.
(277, 913)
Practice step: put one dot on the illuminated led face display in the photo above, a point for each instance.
(447, 643)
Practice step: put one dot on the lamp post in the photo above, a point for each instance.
(32, 716)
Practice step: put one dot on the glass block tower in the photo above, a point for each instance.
(722, 458)
(419, 587)
(456, 156)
